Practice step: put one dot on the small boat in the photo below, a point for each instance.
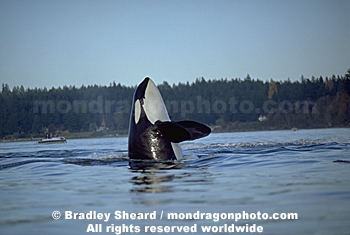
(53, 140)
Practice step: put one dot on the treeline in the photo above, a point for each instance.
(225, 104)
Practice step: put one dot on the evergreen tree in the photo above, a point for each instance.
(232, 104)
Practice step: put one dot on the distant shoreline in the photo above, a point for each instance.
(92, 135)
(69, 136)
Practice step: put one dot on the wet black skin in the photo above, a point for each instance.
(149, 141)
(146, 141)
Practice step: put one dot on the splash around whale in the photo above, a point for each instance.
(152, 135)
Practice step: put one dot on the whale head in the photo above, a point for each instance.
(152, 135)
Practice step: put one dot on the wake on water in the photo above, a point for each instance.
(196, 154)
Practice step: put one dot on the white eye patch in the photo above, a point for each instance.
(137, 112)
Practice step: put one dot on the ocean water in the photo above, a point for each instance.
(226, 181)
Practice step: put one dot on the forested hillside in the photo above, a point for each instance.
(225, 104)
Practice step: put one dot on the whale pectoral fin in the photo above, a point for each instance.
(197, 130)
(173, 131)
(183, 130)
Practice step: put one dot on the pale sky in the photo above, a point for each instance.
(46, 43)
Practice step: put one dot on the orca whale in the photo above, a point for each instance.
(152, 135)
